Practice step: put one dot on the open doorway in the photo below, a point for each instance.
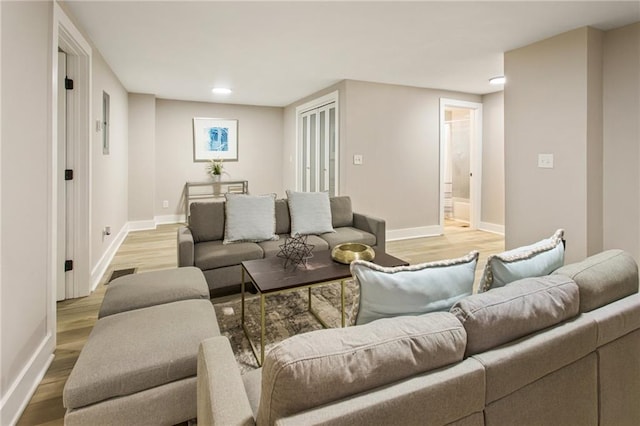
(460, 162)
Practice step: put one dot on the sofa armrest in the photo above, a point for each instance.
(185, 247)
(374, 226)
(222, 399)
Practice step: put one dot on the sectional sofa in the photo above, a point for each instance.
(562, 349)
(201, 243)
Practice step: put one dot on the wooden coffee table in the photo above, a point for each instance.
(269, 276)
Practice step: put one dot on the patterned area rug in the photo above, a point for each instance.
(286, 315)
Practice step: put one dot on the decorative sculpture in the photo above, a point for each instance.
(295, 251)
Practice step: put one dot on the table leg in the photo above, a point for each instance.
(342, 284)
(309, 307)
(242, 289)
(259, 359)
(262, 321)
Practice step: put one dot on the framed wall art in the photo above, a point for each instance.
(215, 138)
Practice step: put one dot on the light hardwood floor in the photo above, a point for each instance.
(153, 250)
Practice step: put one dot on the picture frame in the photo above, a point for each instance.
(215, 138)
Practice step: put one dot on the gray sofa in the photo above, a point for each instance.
(200, 243)
(556, 350)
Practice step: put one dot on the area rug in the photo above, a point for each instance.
(286, 315)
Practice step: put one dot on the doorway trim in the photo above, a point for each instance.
(68, 38)
(315, 103)
(475, 158)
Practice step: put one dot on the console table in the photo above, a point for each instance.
(211, 189)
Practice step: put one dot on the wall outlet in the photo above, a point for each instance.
(165, 204)
(357, 159)
(545, 161)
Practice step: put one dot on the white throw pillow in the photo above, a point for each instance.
(249, 218)
(412, 290)
(535, 260)
(310, 213)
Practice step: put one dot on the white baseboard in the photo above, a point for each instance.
(137, 225)
(141, 225)
(491, 227)
(408, 233)
(17, 397)
(107, 257)
(169, 218)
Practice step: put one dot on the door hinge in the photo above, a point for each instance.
(68, 265)
(68, 174)
(68, 83)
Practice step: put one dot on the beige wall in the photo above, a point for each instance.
(27, 318)
(108, 172)
(594, 140)
(546, 111)
(493, 159)
(396, 129)
(621, 114)
(142, 154)
(260, 131)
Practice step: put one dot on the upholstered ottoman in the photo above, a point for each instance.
(153, 288)
(139, 367)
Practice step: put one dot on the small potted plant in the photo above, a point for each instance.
(215, 169)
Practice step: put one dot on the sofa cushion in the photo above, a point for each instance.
(206, 221)
(137, 291)
(250, 218)
(518, 309)
(535, 260)
(341, 212)
(272, 248)
(603, 278)
(283, 221)
(516, 364)
(412, 290)
(141, 349)
(617, 319)
(311, 369)
(348, 234)
(310, 212)
(214, 254)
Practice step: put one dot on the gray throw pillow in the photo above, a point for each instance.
(412, 290)
(250, 218)
(518, 309)
(310, 213)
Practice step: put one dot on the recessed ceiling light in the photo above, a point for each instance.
(221, 91)
(497, 80)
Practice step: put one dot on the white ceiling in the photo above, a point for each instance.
(274, 53)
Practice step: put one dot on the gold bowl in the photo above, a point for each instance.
(348, 252)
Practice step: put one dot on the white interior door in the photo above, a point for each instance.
(61, 287)
(318, 149)
(64, 279)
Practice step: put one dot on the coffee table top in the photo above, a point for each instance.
(270, 275)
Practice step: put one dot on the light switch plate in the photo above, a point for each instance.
(545, 161)
(357, 159)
